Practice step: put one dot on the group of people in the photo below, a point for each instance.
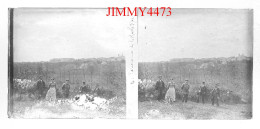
(215, 94)
(165, 92)
(168, 92)
(51, 89)
(86, 89)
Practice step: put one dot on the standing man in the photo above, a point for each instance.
(66, 89)
(185, 91)
(40, 87)
(203, 92)
(160, 87)
(215, 94)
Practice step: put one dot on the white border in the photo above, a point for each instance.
(10, 123)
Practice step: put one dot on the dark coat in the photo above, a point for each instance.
(40, 85)
(85, 89)
(203, 90)
(215, 92)
(65, 88)
(185, 88)
(160, 86)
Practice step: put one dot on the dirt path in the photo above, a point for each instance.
(191, 110)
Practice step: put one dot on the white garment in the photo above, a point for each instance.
(171, 94)
(51, 94)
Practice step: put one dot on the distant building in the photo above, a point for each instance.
(182, 60)
(62, 60)
(241, 57)
(89, 60)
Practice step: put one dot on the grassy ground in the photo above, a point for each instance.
(192, 110)
(43, 109)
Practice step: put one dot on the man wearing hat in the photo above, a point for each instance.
(185, 91)
(160, 88)
(203, 92)
(215, 95)
(66, 89)
(40, 86)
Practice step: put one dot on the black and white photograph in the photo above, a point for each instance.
(196, 64)
(67, 63)
(74, 63)
(129, 64)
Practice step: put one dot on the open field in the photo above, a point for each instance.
(192, 110)
(232, 73)
(43, 109)
(107, 73)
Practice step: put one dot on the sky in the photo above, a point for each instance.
(195, 33)
(44, 34)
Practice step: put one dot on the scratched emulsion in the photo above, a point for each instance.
(196, 64)
(132, 71)
(80, 51)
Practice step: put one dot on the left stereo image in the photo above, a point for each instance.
(66, 63)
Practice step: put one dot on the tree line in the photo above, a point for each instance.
(232, 75)
(110, 74)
